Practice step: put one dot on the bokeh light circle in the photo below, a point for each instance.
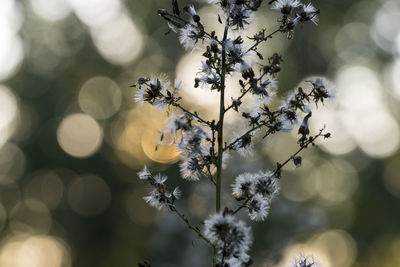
(47, 187)
(100, 97)
(30, 216)
(51, 10)
(119, 41)
(338, 245)
(79, 135)
(8, 113)
(89, 195)
(34, 251)
(12, 163)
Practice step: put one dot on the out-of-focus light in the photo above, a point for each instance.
(158, 153)
(10, 195)
(352, 43)
(100, 97)
(395, 76)
(186, 70)
(380, 135)
(198, 205)
(295, 251)
(128, 142)
(89, 195)
(119, 41)
(115, 35)
(341, 141)
(384, 251)
(341, 215)
(45, 186)
(51, 10)
(140, 135)
(363, 112)
(338, 245)
(384, 31)
(279, 146)
(398, 42)
(79, 135)
(334, 248)
(137, 212)
(358, 89)
(3, 217)
(11, 48)
(8, 114)
(30, 215)
(34, 251)
(391, 177)
(12, 163)
(96, 13)
(11, 54)
(202, 97)
(336, 181)
(8, 106)
(299, 188)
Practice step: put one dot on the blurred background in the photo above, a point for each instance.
(72, 139)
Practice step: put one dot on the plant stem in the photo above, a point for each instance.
(195, 115)
(241, 206)
(221, 120)
(281, 165)
(246, 133)
(254, 47)
(302, 147)
(195, 229)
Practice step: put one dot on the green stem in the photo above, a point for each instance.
(195, 229)
(221, 120)
(241, 206)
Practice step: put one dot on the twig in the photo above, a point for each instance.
(262, 40)
(195, 115)
(195, 229)
(281, 165)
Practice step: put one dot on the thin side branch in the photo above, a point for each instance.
(194, 228)
(195, 115)
(279, 166)
(254, 47)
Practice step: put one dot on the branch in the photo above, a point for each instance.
(195, 229)
(195, 115)
(220, 124)
(245, 91)
(248, 132)
(239, 98)
(281, 165)
(243, 205)
(302, 147)
(254, 47)
(181, 23)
